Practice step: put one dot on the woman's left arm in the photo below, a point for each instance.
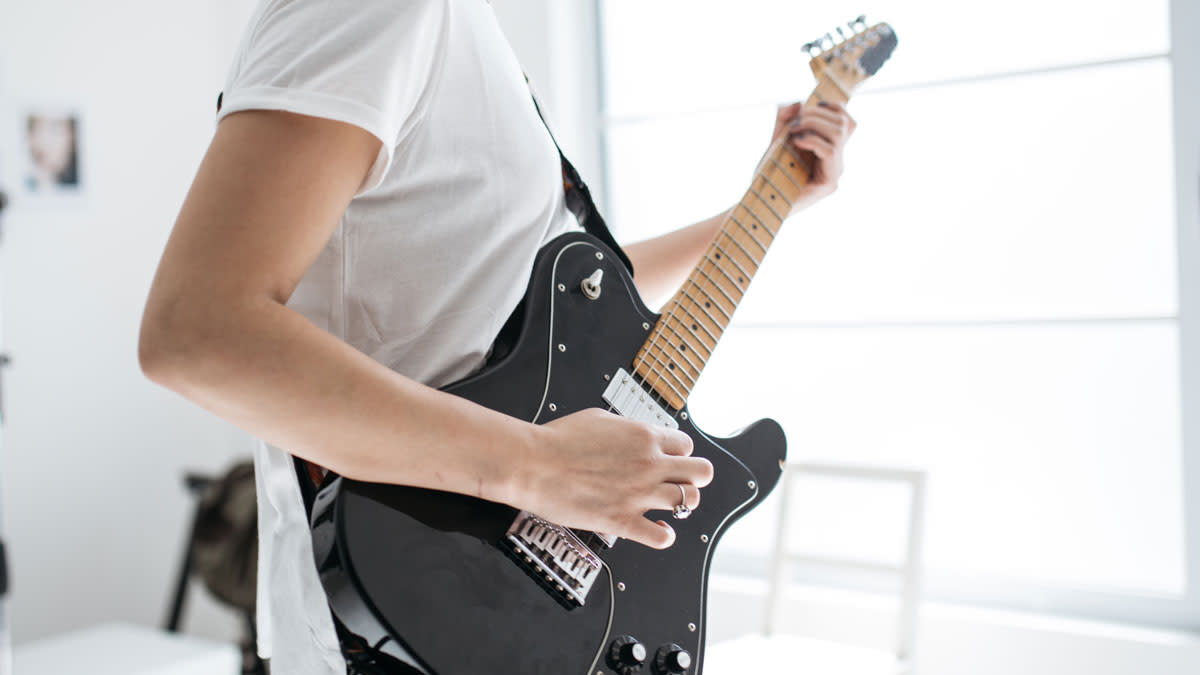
(662, 263)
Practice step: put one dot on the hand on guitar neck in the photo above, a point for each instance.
(817, 132)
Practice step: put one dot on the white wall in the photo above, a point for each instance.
(556, 44)
(94, 512)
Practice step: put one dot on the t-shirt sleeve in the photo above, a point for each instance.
(369, 64)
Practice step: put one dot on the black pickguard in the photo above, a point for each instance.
(425, 569)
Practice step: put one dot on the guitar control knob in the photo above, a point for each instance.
(626, 655)
(672, 660)
(591, 285)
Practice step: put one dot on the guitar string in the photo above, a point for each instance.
(654, 343)
(664, 376)
(666, 317)
(648, 348)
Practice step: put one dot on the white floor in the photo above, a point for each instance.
(122, 649)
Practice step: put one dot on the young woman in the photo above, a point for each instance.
(363, 223)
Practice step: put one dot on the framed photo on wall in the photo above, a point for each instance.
(51, 152)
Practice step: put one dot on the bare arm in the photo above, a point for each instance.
(266, 198)
(662, 263)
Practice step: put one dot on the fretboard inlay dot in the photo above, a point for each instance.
(701, 311)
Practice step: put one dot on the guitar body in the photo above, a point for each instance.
(427, 575)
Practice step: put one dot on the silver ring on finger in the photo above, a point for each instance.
(681, 510)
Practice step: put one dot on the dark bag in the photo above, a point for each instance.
(225, 539)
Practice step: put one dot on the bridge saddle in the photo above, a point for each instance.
(555, 554)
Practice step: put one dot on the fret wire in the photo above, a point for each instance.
(683, 353)
(686, 332)
(646, 352)
(703, 309)
(718, 286)
(659, 380)
(732, 238)
(767, 204)
(664, 359)
(760, 220)
(698, 320)
(662, 375)
(747, 231)
(731, 259)
(659, 376)
(714, 263)
(683, 337)
(777, 190)
(644, 377)
(713, 302)
(787, 173)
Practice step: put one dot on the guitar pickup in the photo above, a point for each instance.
(555, 555)
(629, 399)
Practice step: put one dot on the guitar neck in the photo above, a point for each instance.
(694, 320)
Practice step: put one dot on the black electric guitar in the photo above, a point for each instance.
(454, 585)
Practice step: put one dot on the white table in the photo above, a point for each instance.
(122, 649)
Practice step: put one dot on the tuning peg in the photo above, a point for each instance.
(859, 23)
(841, 33)
(827, 39)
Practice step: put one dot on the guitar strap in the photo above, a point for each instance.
(579, 197)
(579, 202)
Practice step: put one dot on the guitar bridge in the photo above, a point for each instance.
(554, 554)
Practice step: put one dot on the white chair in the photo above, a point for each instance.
(772, 651)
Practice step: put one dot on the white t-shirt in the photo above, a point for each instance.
(433, 253)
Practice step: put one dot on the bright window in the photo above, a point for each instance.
(992, 295)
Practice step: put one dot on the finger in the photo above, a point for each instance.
(833, 117)
(834, 106)
(668, 495)
(838, 117)
(657, 535)
(830, 131)
(695, 470)
(841, 112)
(816, 145)
(822, 111)
(784, 116)
(676, 443)
(786, 113)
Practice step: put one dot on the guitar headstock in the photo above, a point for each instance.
(852, 56)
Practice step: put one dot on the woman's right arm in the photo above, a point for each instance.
(268, 194)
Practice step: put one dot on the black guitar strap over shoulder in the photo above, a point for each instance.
(579, 197)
